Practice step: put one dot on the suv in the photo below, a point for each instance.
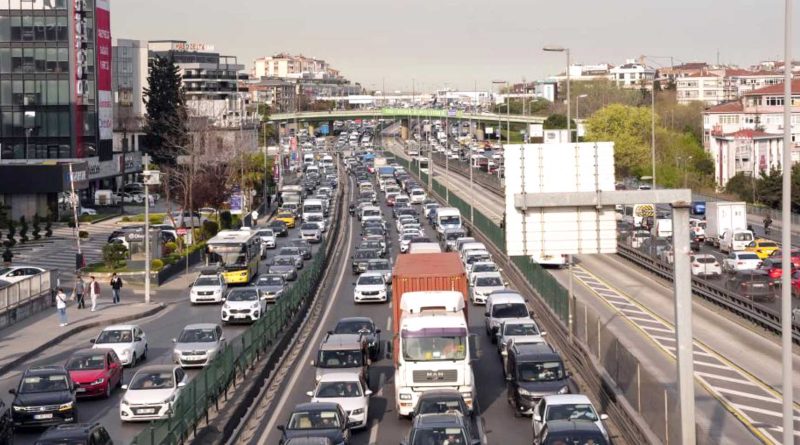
(441, 428)
(533, 370)
(45, 396)
(571, 431)
(339, 352)
(209, 286)
(93, 434)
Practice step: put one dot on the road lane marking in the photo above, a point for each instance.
(708, 375)
(373, 431)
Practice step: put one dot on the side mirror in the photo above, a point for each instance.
(281, 428)
(124, 387)
(92, 341)
(313, 363)
(603, 416)
(486, 314)
(222, 338)
(568, 374)
(368, 392)
(538, 418)
(310, 393)
(531, 314)
(543, 333)
(12, 391)
(174, 340)
(181, 384)
(377, 331)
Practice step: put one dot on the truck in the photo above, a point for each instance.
(431, 346)
(722, 217)
(292, 193)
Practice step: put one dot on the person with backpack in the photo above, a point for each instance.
(94, 292)
(116, 285)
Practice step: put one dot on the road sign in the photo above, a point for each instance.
(533, 169)
(181, 231)
(236, 204)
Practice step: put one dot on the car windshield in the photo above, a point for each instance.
(153, 380)
(378, 265)
(438, 406)
(265, 233)
(115, 336)
(743, 236)
(308, 226)
(572, 412)
(365, 254)
(340, 359)
(207, 281)
(243, 295)
(338, 389)
(453, 236)
(83, 362)
(315, 218)
(767, 244)
(278, 224)
(577, 437)
(270, 281)
(199, 335)
(370, 280)
(288, 251)
(447, 220)
(353, 327)
(43, 383)
(488, 281)
(540, 371)
(439, 436)
(484, 268)
(314, 420)
(283, 261)
(509, 310)
(521, 329)
(477, 257)
(748, 256)
(705, 260)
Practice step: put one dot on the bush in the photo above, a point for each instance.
(12, 230)
(156, 265)
(170, 247)
(36, 228)
(48, 226)
(114, 255)
(156, 219)
(210, 229)
(23, 230)
(125, 219)
(83, 234)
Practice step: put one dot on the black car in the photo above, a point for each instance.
(571, 431)
(278, 227)
(361, 258)
(304, 246)
(441, 428)
(440, 401)
(352, 209)
(79, 433)
(45, 396)
(534, 370)
(756, 285)
(309, 441)
(6, 425)
(364, 326)
(320, 419)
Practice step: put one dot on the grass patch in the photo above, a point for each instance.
(155, 218)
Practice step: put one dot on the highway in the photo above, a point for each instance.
(750, 360)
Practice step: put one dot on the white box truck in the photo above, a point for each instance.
(722, 217)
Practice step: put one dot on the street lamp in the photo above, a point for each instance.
(561, 49)
(150, 177)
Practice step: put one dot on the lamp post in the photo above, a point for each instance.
(150, 177)
(786, 234)
(561, 49)
(499, 123)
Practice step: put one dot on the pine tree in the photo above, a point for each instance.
(166, 120)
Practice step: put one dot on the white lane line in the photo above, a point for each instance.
(373, 431)
(302, 362)
(713, 365)
(644, 320)
(661, 338)
(388, 323)
(766, 412)
(659, 329)
(748, 395)
(709, 375)
(780, 430)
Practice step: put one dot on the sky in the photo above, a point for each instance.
(461, 43)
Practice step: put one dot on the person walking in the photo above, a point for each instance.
(269, 201)
(61, 306)
(94, 292)
(78, 291)
(767, 223)
(116, 285)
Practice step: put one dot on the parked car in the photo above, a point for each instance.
(74, 434)
(756, 285)
(152, 392)
(572, 407)
(198, 344)
(128, 341)
(705, 265)
(348, 390)
(45, 396)
(95, 372)
(742, 260)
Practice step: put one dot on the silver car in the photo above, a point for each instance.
(294, 253)
(381, 265)
(198, 344)
(319, 221)
(284, 266)
(311, 232)
(271, 286)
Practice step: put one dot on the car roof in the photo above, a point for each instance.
(371, 273)
(534, 351)
(157, 368)
(567, 399)
(434, 420)
(120, 327)
(341, 376)
(47, 369)
(354, 319)
(69, 431)
(315, 406)
(506, 296)
(90, 351)
(555, 426)
(200, 326)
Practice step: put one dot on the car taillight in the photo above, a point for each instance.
(739, 263)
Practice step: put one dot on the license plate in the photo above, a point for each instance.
(80, 390)
(239, 316)
(147, 411)
(43, 416)
(758, 285)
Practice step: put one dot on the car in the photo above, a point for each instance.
(304, 246)
(451, 235)
(339, 352)
(319, 221)
(428, 207)
(287, 217)
(484, 283)
(762, 247)
(243, 304)
(13, 274)
(348, 390)
(270, 286)
(405, 239)
(383, 266)
(482, 266)
(705, 265)
(267, 238)
(45, 396)
(439, 401)
(756, 285)
(129, 198)
(319, 419)
(504, 305)
(638, 237)
(208, 288)
(152, 392)
(128, 341)
(443, 428)
(363, 326)
(370, 286)
(571, 407)
(198, 345)
(741, 260)
(518, 331)
(95, 372)
(374, 243)
(475, 256)
(533, 370)
(284, 266)
(78, 433)
(278, 227)
(294, 253)
(558, 432)
(417, 196)
(795, 257)
(311, 232)
(774, 267)
(361, 258)
(667, 254)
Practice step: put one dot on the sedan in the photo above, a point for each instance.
(278, 227)
(129, 342)
(283, 266)
(267, 238)
(754, 284)
(360, 259)
(271, 286)
(482, 266)
(382, 266)
(304, 246)
(286, 217)
(370, 286)
(483, 284)
(294, 253)
(518, 331)
(363, 326)
(319, 221)
(14, 274)
(572, 407)
(348, 390)
(705, 265)
(736, 261)
(311, 232)
(440, 401)
(208, 288)
(152, 392)
(762, 247)
(321, 419)
(95, 372)
(198, 344)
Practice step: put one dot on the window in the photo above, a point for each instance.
(5, 28)
(774, 101)
(5, 63)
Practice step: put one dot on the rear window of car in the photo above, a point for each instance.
(705, 260)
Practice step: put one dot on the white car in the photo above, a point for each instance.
(267, 238)
(418, 196)
(208, 289)
(570, 407)
(347, 389)
(742, 260)
(151, 393)
(319, 221)
(705, 265)
(243, 304)
(483, 266)
(128, 341)
(483, 284)
(371, 286)
(518, 331)
(14, 274)
(475, 256)
(404, 219)
(637, 238)
(405, 240)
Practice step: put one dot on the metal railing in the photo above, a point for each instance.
(21, 292)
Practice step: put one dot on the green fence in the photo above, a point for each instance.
(234, 360)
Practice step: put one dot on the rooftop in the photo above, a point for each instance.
(775, 89)
(727, 107)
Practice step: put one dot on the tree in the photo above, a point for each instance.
(114, 254)
(165, 101)
(266, 132)
(629, 128)
(742, 185)
(225, 220)
(12, 230)
(48, 226)
(557, 122)
(23, 230)
(36, 227)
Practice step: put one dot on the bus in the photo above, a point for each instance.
(238, 252)
(639, 214)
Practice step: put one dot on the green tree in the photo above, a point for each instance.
(114, 254)
(557, 122)
(266, 131)
(36, 227)
(48, 226)
(23, 230)
(166, 119)
(12, 231)
(629, 128)
(743, 186)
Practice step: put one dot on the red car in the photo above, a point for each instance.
(772, 266)
(796, 284)
(96, 372)
(795, 257)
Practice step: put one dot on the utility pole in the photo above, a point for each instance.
(786, 234)
(74, 201)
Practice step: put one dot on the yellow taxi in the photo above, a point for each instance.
(287, 217)
(762, 247)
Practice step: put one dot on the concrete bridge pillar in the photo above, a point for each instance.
(479, 133)
(311, 129)
(404, 129)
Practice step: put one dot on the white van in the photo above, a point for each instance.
(735, 240)
(662, 228)
(313, 207)
(327, 161)
(308, 159)
(448, 218)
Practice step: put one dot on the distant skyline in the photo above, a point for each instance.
(457, 43)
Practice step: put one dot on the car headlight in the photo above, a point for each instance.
(125, 353)
(524, 392)
(98, 381)
(65, 406)
(564, 390)
(358, 411)
(17, 408)
(177, 352)
(254, 305)
(169, 399)
(405, 396)
(225, 306)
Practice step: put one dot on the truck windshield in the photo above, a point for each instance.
(540, 371)
(431, 345)
(313, 209)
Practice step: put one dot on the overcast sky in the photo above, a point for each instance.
(460, 42)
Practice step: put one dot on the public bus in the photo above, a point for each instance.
(238, 252)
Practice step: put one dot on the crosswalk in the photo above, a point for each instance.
(58, 251)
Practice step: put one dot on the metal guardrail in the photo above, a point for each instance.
(21, 292)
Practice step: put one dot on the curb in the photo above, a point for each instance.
(76, 330)
(105, 218)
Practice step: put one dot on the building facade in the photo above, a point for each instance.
(708, 88)
(633, 74)
(287, 66)
(745, 151)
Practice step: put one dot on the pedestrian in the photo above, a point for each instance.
(116, 285)
(94, 291)
(78, 292)
(61, 306)
(7, 256)
(269, 201)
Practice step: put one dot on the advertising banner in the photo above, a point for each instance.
(105, 105)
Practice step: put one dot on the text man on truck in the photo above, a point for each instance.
(431, 343)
